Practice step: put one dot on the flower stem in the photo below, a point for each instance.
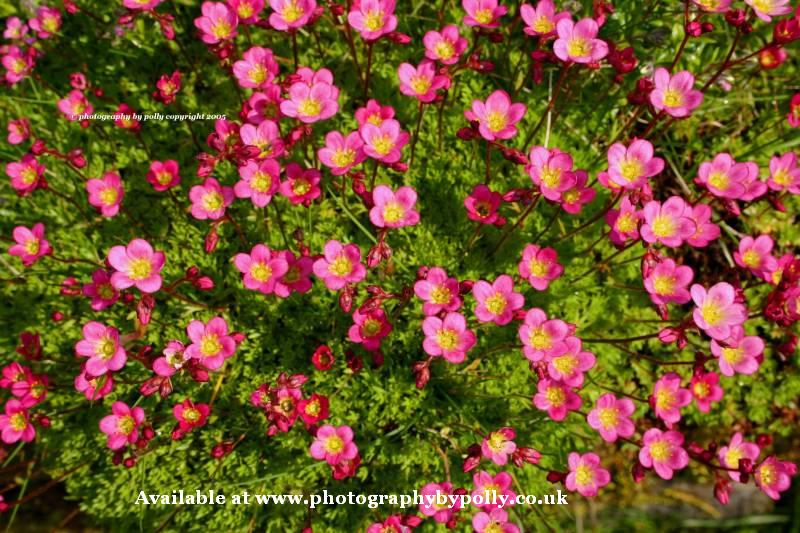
(420, 113)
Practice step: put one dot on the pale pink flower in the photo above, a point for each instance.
(15, 424)
(736, 450)
(497, 117)
(30, 244)
(569, 363)
(373, 113)
(498, 445)
(341, 153)
(15, 29)
(421, 81)
(784, 174)
(448, 337)
(631, 167)
(552, 171)
(756, 255)
(101, 344)
(705, 389)
(19, 131)
(106, 193)
(301, 185)
(369, 328)
(705, 230)
(556, 398)
(259, 181)
(586, 474)
(669, 397)
(172, 360)
(163, 175)
(26, 175)
(539, 266)
(716, 311)
(543, 338)
(441, 514)
(136, 265)
(211, 343)
(94, 388)
(541, 21)
(385, 142)
(491, 488)
(774, 476)
(497, 301)
(675, 94)
(334, 444)
(290, 15)
(495, 521)
(669, 223)
(261, 268)
(612, 417)
(446, 46)
(574, 198)
(483, 13)
(100, 290)
(713, 6)
(373, 18)
(393, 209)
(624, 222)
(18, 64)
(122, 425)
(668, 282)
(311, 102)
(738, 353)
(46, 22)
(247, 10)
(440, 292)
(266, 137)
(723, 176)
(218, 22)
(256, 69)
(340, 265)
(578, 42)
(74, 105)
(210, 199)
(663, 451)
(766, 9)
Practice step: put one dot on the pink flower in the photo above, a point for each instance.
(301, 185)
(47, 22)
(373, 113)
(247, 10)
(482, 205)
(793, 118)
(755, 255)
(624, 222)
(574, 198)
(541, 21)
(705, 230)
(167, 87)
(498, 445)
(261, 269)
(723, 176)
(612, 417)
(32, 390)
(497, 301)
(100, 290)
(190, 415)
(18, 131)
(31, 244)
(492, 488)
(737, 449)
(446, 46)
(552, 171)
(422, 81)
(630, 167)
(716, 310)
(738, 353)
(94, 388)
(556, 398)
(210, 199)
(448, 337)
(298, 274)
(586, 475)
(539, 266)
(577, 42)
(163, 175)
(674, 94)
(766, 9)
(259, 181)
(568, 363)
(14, 373)
(217, 24)
(495, 521)
(172, 360)
(669, 223)
(17, 63)
(141, 5)
(542, 338)
(483, 13)
(122, 425)
(266, 137)
(373, 18)
(497, 117)
(669, 397)
(74, 105)
(440, 292)
(774, 476)
(211, 344)
(341, 153)
(311, 103)
(784, 174)
(106, 193)
(340, 265)
(334, 444)
(124, 118)
(441, 514)
(291, 14)
(101, 345)
(705, 389)
(384, 142)
(136, 265)
(15, 28)
(664, 452)
(256, 69)
(27, 175)
(14, 424)
(668, 282)
(393, 210)
(713, 6)
(369, 328)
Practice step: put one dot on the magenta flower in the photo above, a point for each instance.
(369, 328)
(341, 153)
(483, 13)
(736, 450)
(542, 338)
(15, 29)
(334, 444)
(498, 445)
(630, 167)
(266, 137)
(717, 311)
(247, 10)
(539, 266)
(290, 15)
(14, 424)
(495, 521)
(301, 185)
(738, 353)
(784, 174)
(102, 346)
(669, 397)
(568, 363)
(766, 9)
(163, 175)
(136, 265)
(497, 301)
(256, 69)
(713, 6)
(705, 230)
(574, 198)
(421, 81)
(578, 42)
(74, 105)
(190, 415)
(172, 360)
(211, 343)
(612, 417)
(259, 181)
(210, 199)
(482, 205)
(490, 488)
(30, 244)
(122, 425)
(340, 265)
(669, 223)
(17, 63)
(663, 451)
(106, 193)
(497, 117)
(18, 132)
(446, 46)
(141, 5)
(14, 373)
(264, 105)
(217, 24)
(48, 22)
(552, 171)
(441, 514)
(94, 388)
(586, 474)
(705, 389)
(261, 268)
(298, 274)
(393, 210)
(373, 18)
(384, 142)
(668, 282)
(541, 21)
(556, 398)
(624, 222)
(675, 95)
(312, 101)
(723, 176)
(755, 255)
(373, 113)
(27, 175)
(448, 337)
(774, 476)
(100, 290)
(440, 292)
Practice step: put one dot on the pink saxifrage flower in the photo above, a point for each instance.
(446, 46)
(611, 417)
(497, 116)
(256, 69)
(631, 166)
(624, 222)
(440, 292)
(551, 170)
(26, 175)
(736, 450)
(568, 364)
(266, 137)
(210, 199)
(341, 153)
(495, 521)
(340, 265)
(369, 328)
(738, 353)
(541, 20)
(218, 22)
(705, 389)
(334, 444)
(774, 476)
(578, 42)
(483, 13)
(122, 425)
(312, 100)
(190, 415)
(421, 81)
(164, 175)
(668, 282)
(675, 95)
(301, 185)
(716, 311)
(669, 223)
(211, 343)
(106, 193)
(483, 205)
(14, 423)
(663, 451)
(101, 344)
(259, 181)
(542, 338)
(261, 268)
(766, 9)
(586, 474)
(756, 255)
(724, 177)
(136, 265)
(491, 488)
(669, 398)
(448, 337)
(289, 15)
(373, 18)
(74, 105)
(539, 266)
(30, 244)
(441, 514)
(497, 301)
(498, 445)
(556, 398)
(393, 209)
(784, 173)
(384, 142)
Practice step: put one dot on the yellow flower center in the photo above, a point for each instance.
(765, 6)
(540, 340)
(50, 24)
(109, 196)
(550, 176)
(105, 291)
(18, 422)
(28, 176)
(664, 285)
(375, 119)
(261, 272)
(420, 84)
(313, 408)
(583, 475)
(292, 12)
(732, 355)
(300, 187)
(444, 49)
(732, 456)
(334, 444)
(18, 65)
(608, 417)
(310, 107)
(767, 475)
(191, 415)
(664, 226)
(221, 29)
(341, 266)
(710, 5)
(673, 98)
(483, 16)
(712, 313)
(626, 223)
(660, 451)
(261, 181)
(496, 303)
(719, 180)
(496, 441)
(393, 212)
(371, 327)
(781, 177)
(343, 158)
(566, 364)
(701, 389)
(447, 339)
(32, 246)
(665, 400)
(383, 144)
(210, 345)
(571, 196)
(126, 424)
(751, 258)
(543, 24)
(140, 269)
(106, 348)
(374, 20)
(579, 47)
(539, 268)
(440, 295)
(258, 74)
(245, 10)
(164, 178)
(496, 121)
(213, 201)
(630, 169)
(555, 396)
